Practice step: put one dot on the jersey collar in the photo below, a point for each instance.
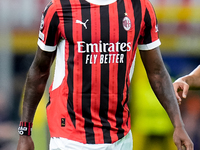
(101, 2)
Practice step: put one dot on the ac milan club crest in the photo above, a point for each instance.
(127, 23)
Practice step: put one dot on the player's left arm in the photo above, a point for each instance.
(162, 86)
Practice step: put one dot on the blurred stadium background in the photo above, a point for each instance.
(179, 26)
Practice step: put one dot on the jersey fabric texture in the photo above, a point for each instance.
(96, 47)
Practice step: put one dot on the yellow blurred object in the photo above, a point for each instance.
(40, 129)
(177, 13)
(24, 42)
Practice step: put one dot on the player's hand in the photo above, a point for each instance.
(182, 140)
(25, 143)
(180, 85)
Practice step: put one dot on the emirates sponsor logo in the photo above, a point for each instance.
(103, 47)
(107, 52)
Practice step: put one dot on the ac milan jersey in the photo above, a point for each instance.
(96, 47)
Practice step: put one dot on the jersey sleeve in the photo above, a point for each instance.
(149, 33)
(49, 34)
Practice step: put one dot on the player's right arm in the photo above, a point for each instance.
(187, 82)
(39, 71)
(34, 88)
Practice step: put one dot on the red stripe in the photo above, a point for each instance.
(95, 75)
(77, 77)
(113, 71)
(29, 129)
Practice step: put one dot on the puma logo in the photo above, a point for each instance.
(83, 23)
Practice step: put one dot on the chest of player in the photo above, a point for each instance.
(104, 34)
(89, 23)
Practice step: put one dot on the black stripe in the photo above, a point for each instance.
(67, 15)
(49, 102)
(86, 37)
(147, 30)
(52, 30)
(86, 83)
(138, 18)
(121, 72)
(103, 112)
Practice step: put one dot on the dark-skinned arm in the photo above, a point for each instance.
(161, 84)
(34, 88)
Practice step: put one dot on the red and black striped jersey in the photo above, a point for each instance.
(96, 47)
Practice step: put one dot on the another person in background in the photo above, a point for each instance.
(95, 43)
(190, 81)
(191, 105)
